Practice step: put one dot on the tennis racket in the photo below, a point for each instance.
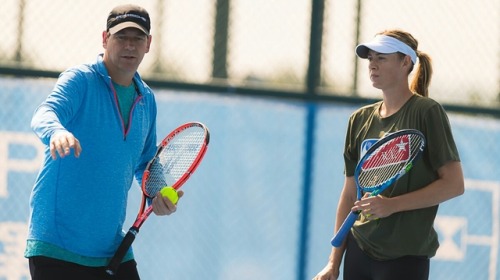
(383, 164)
(177, 157)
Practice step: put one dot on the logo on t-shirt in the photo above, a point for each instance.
(365, 145)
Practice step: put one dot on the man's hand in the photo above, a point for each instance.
(62, 142)
(163, 206)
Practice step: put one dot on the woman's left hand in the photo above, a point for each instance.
(374, 207)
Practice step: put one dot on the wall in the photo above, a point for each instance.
(241, 216)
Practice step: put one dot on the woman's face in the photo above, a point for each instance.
(387, 70)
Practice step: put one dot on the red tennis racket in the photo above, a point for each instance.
(177, 157)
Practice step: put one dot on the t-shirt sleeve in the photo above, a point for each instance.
(351, 149)
(441, 147)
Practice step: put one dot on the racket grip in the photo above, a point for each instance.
(127, 241)
(346, 226)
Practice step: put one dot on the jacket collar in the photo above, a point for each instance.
(103, 71)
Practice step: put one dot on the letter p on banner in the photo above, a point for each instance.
(19, 151)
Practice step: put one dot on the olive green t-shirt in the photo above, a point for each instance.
(408, 233)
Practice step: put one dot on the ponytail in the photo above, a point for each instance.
(422, 78)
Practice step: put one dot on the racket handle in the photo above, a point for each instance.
(127, 241)
(346, 226)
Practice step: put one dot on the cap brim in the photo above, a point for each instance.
(127, 24)
(363, 49)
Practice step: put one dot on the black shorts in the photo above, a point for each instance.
(359, 266)
(44, 268)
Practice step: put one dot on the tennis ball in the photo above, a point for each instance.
(170, 193)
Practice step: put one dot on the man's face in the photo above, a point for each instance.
(125, 49)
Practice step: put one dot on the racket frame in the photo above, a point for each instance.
(144, 212)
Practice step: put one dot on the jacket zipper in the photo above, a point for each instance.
(139, 97)
(130, 116)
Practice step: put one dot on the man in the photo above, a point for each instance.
(99, 125)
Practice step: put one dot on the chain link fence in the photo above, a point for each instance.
(266, 43)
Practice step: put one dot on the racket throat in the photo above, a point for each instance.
(134, 230)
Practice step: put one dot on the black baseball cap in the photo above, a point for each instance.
(125, 16)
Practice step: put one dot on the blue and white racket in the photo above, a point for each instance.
(383, 164)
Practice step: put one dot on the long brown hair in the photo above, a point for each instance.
(422, 78)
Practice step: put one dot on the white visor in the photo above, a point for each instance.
(386, 44)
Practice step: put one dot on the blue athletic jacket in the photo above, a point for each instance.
(79, 204)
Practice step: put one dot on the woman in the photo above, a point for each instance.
(394, 237)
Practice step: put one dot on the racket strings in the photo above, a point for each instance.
(389, 160)
(175, 159)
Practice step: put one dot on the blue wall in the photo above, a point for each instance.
(243, 213)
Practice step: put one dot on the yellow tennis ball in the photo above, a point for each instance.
(171, 193)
